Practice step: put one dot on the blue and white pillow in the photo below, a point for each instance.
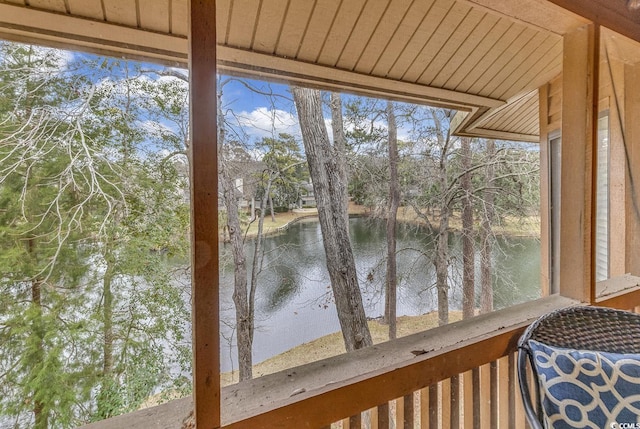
(587, 389)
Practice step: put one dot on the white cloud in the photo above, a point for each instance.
(264, 122)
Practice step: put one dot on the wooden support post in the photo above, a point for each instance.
(204, 213)
(545, 193)
(579, 157)
(631, 140)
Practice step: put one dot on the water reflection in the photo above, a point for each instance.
(294, 300)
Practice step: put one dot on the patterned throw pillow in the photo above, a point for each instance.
(587, 389)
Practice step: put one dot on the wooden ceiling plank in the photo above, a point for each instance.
(389, 24)
(244, 14)
(512, 53)
(448, 28)
(412, 21)
(512, 117)
(318, 29)
(548, 70)
(536, 68)
(420, 38)
(467, 48)
(480, 53)
(527, 117)
(86, 8)
(453, 46)
(154, 15)
(486, 60)
(223, 9)
(52, 5)
(364, 29)
(295, 25)
(270, 23)
(540, 14)
(341, 30)
(527, 54)
(121, 12)
(179, 20)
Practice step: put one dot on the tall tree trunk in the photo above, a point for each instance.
(339, 142)
(330, 193)
(394, 203)
(256, 266)
(442, 267)
(442, 245)
(486, 233)
(244, 318)
(468, 251)
(104, 408)
(40, 414)
(273, 213)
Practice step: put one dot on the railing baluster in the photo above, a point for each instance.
(493, 395)
(373, 418)
(467, 399)
(434, 402)
(382, 414)
(477, 422)
(355, 422)
(485, 396)
(408, 412)
(445, 402)
(504, 393)
(455, 403)
(424, 409)
(399, 413)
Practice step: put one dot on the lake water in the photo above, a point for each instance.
(294, 299)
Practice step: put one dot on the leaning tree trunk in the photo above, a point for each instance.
(468, 252)
(394, 203)
(330, 193)
(486, 234)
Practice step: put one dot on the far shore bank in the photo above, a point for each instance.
(516, 227)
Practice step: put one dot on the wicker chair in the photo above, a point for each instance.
(580, 328)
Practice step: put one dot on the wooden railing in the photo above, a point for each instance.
(462, 375)
(485, 397)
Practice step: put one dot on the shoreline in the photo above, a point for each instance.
(332, 345)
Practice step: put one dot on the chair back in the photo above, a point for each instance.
(580, 328)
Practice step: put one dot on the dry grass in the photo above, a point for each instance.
(332, 345)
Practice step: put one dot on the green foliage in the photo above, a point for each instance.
(92, 311)
(285, 166)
